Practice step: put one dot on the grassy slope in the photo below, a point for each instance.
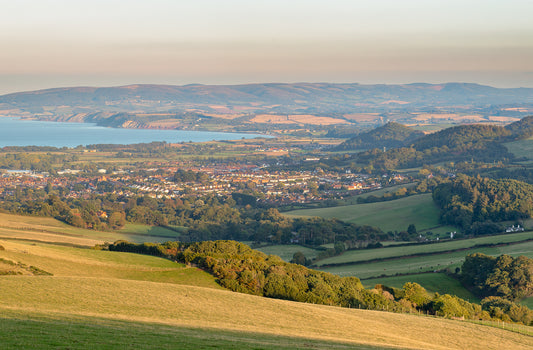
(395, 251)
(522, 148)
(132, 299)
(188, 306)
(419, 210)
(425, 263)
(51, 230)
(286, 252)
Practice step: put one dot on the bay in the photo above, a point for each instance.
(18, 132)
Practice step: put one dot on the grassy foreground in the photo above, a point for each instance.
(110, 300)
(211, 309)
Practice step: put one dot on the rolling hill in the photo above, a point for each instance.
(103, 299)
(158, 106)
(389, 135)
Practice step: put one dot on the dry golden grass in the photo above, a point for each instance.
(123, 286)
(217, 309)
(51, 230)
(64, 261)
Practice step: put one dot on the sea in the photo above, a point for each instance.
(19, 132)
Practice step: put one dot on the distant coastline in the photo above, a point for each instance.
(25, 132)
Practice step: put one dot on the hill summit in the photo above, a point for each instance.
(389, 135)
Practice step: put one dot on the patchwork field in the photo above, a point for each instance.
(413, 249)
(418, 264)
(296, 119)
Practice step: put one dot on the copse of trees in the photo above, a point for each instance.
(505, 277)
(471, 202)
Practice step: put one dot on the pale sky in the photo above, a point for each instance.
(53, 43)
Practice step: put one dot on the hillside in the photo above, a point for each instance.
(521, 129)
(89, 296)
(479, 142)
(252, 106)
(389, 135)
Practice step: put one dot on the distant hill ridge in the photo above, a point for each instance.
(325, 95)
(395, 135)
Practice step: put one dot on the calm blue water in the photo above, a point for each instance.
(16, 132)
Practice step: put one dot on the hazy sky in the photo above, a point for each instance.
(45, 43)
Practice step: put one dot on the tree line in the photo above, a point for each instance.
(475, 203)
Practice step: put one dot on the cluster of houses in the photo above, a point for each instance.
(274, 186)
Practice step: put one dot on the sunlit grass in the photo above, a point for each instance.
(400, 213)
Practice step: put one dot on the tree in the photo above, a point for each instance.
(116, 220)
(411, 230)
(299, 258)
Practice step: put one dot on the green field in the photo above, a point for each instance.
(406, 265)
(41, 229)
(152, 233)
(433, 282)
(522, 148)
(412, 249)
(394, 215)
(380, 192)
(287, 251)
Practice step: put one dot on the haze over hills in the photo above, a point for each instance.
(190, 106)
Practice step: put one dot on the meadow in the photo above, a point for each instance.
(41, 229)
(400, 213)
(108, 300)
(351, 256)
(427, 263)
(286, 252)
(522, 148)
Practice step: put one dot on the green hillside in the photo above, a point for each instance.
(419, 210)
(389, 135)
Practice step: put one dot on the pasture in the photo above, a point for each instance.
(287, 251)
(156, 234)
(412, 249)
(41, 229)
(522, 148)
(395, 215)
(429, 263)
